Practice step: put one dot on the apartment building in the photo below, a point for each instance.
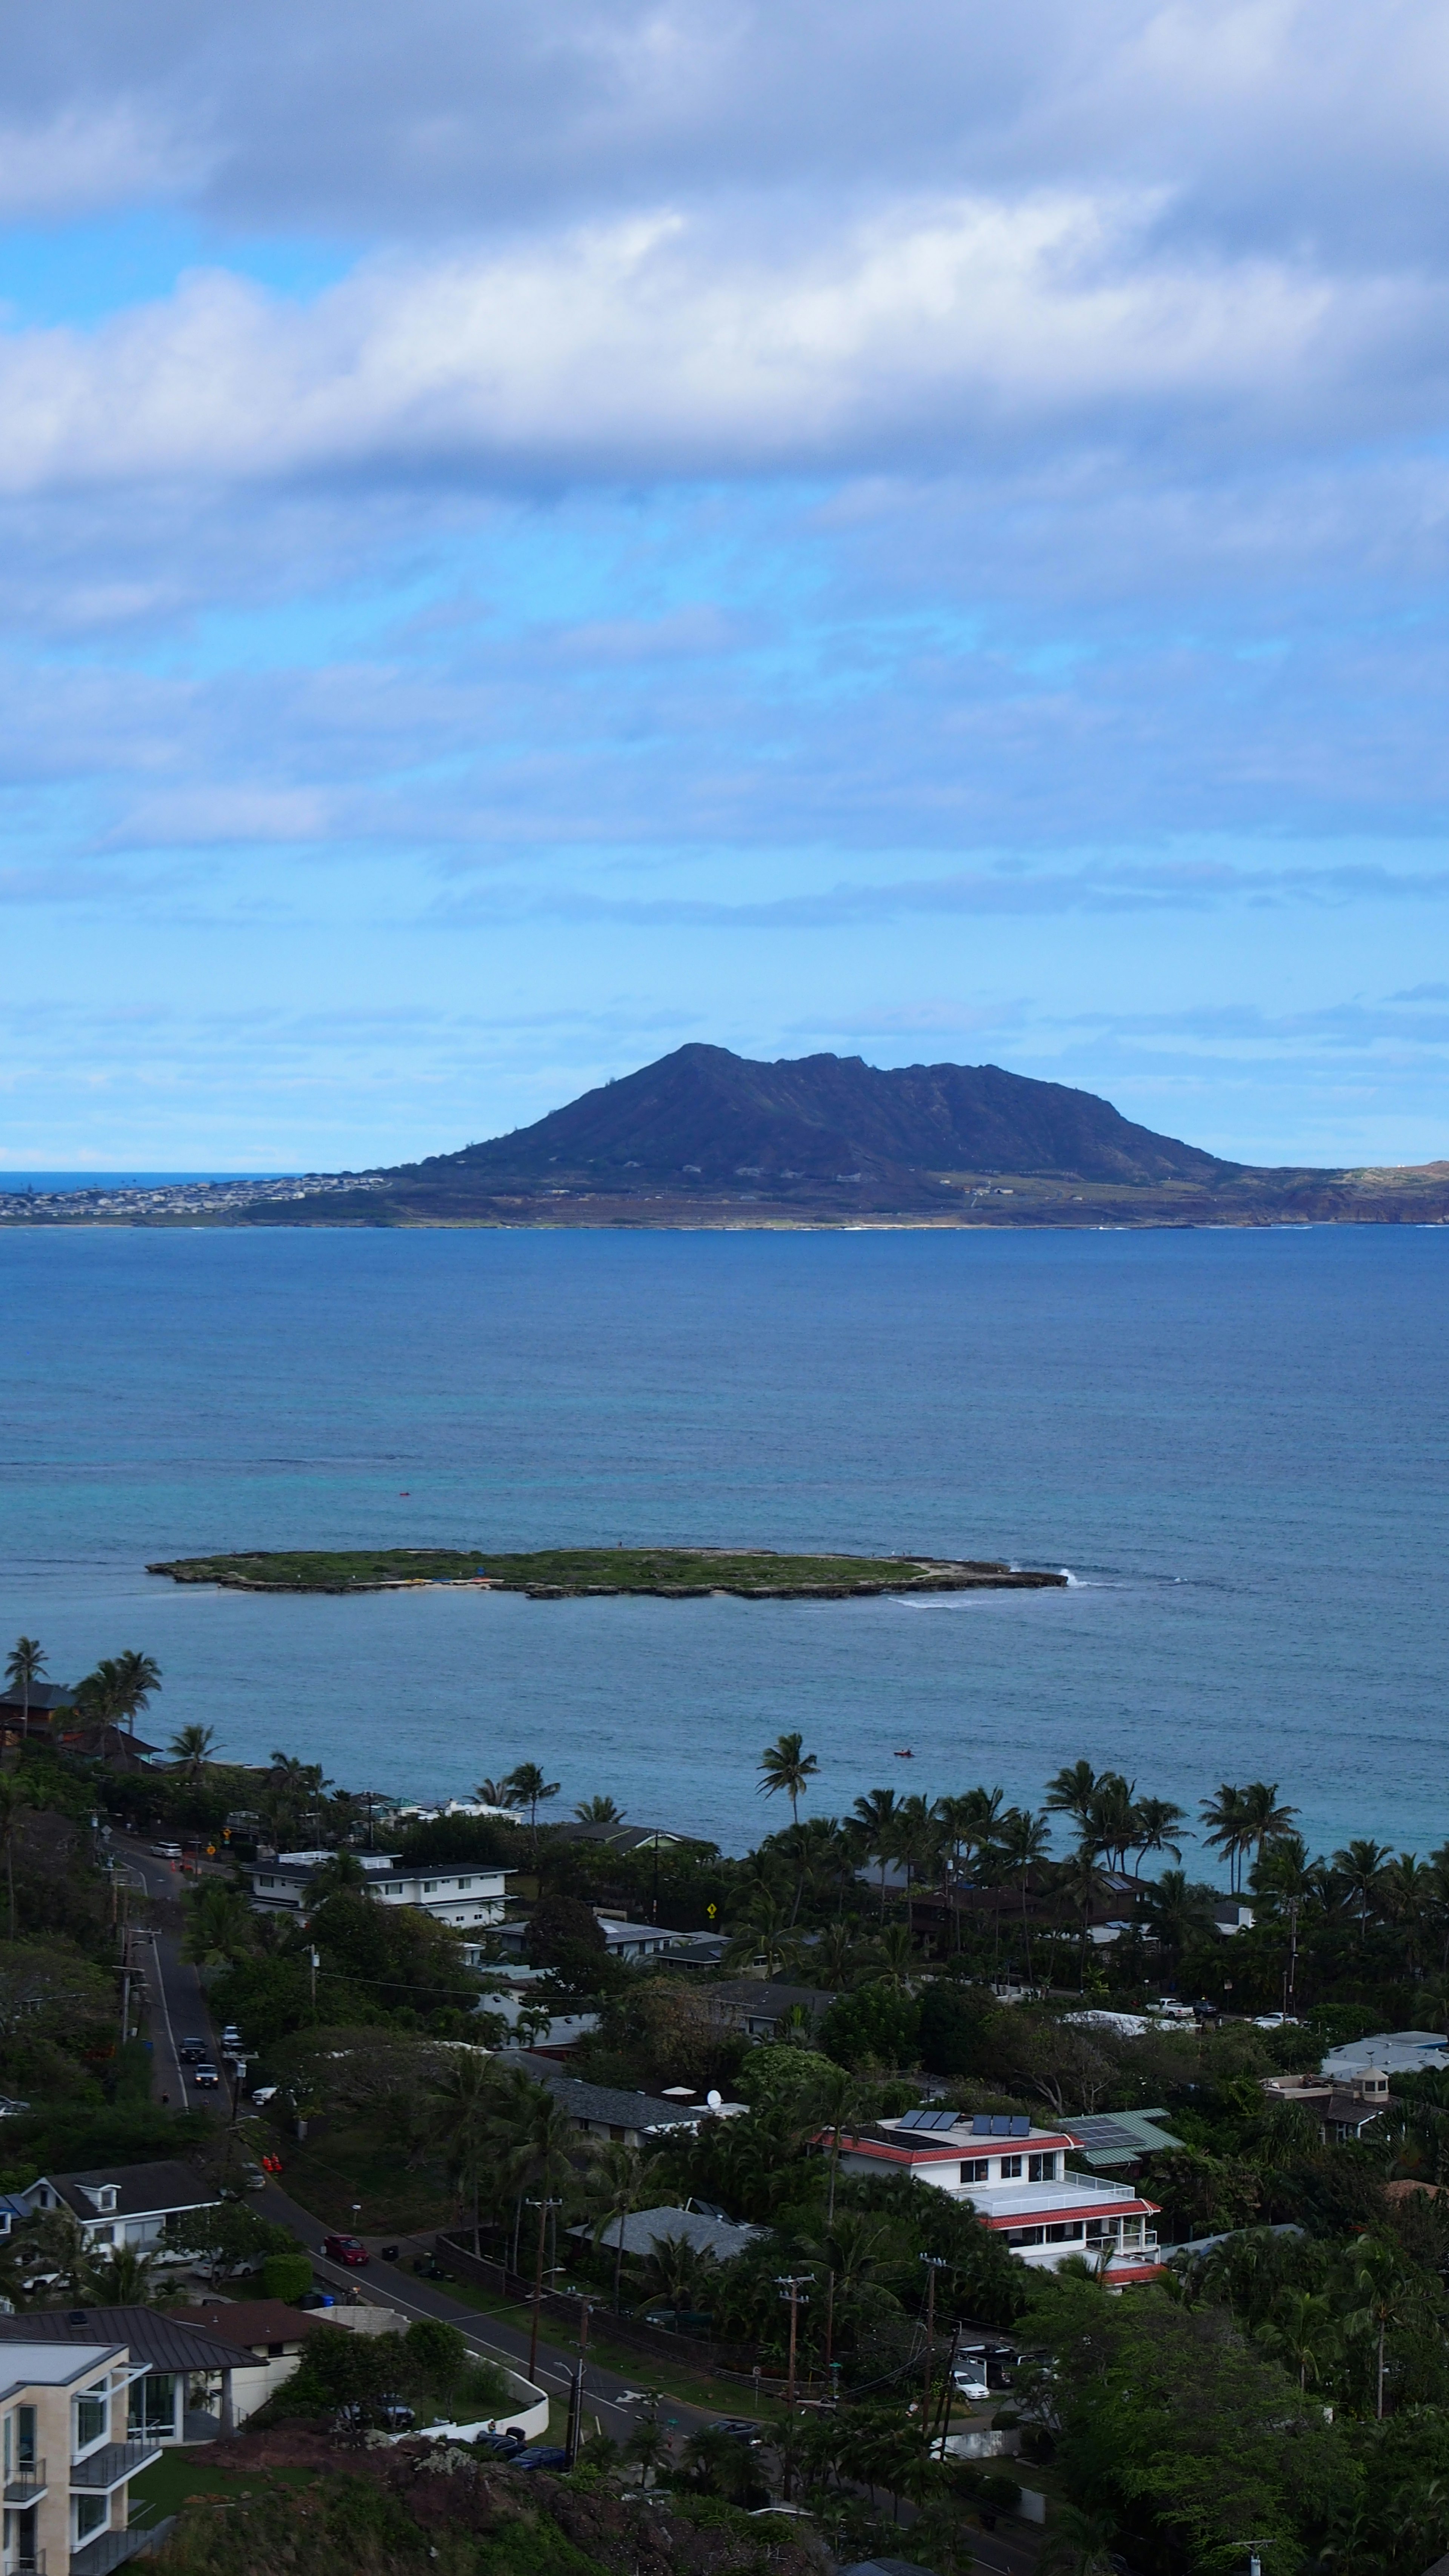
(461, 1894)
(68, 2459)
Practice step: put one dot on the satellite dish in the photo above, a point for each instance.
(712, 2101)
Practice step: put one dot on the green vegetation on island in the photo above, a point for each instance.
(566, 1572)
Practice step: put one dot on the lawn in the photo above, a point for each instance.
(181, 2474)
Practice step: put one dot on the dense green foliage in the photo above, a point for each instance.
(570, 1569)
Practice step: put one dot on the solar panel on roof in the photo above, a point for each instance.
(1021, 2128)
(981, 2125)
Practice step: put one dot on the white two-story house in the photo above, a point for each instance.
(1016, 2180)
(459, 1893)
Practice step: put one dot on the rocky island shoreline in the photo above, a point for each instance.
(564, 1574)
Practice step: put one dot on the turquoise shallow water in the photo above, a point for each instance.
(1235, 1441)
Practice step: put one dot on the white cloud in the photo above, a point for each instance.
(654, 346)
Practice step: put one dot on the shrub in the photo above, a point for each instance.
(286, 2276)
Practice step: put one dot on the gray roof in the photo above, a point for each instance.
(142, 2191)
(643, 2229)
(153, 2336)
(609, 2103)
(763, 1995)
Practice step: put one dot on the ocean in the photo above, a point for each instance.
(1234, 1441)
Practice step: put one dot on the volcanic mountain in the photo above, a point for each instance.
(705, 1137)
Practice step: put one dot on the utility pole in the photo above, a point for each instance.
(1290, 1973)
(948, 2390)
(314, 1963)
(790, 2285)
(934, 2263)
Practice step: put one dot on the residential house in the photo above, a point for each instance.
(122, 2204)
(608, 2111)
(1015, 2178)
(627, 1941)
(68, 2454)
(44, 1707)
(272, 2336)
(461, 1894)
(643, 2229)
(620, 1837)
(187, 2385)
(758, 2006)
(1392, 2052)
(1341, 2108)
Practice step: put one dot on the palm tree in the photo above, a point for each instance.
(967, 1825)
(501, 1793)
(1361, 1866)
(192, 1747)
(915, 1839)
(24, 1665)
(875, 1814)
(220, 1925)
(1229, 1830)
(592, 1811)
(540, 2141)
(615, 2183)
(1025, 1843)
(1071, 1792)
(340, 1873)
(1110, 1822)
(1302, 2329)
(765, 1931)
(138, 1675)
(1158, 1819)
(1409, 1890)
(899, 1964)
(100, 1699)
(681, 2270)
(839, 2101)
(1379, 2276)
(786, 1765)
(1264, 1820)
(13, 1801)
(847, 2256)
(531, 1790)
(1176, 1911)
(1080, 2543)
(464, 2113)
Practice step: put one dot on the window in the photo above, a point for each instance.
(465, 1882)
(9, 2446)
(91, 2411)
(1011, 2168)
(1024, 2235)
(92, 2513)
(430, 1887)
(102, 2236)
(976, 2169)
(1068, 2228)
(151, 2408)
(25, 2437)
(1041, 2168)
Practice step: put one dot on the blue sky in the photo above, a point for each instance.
(527, 537)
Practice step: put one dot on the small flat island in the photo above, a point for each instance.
(576, 1573)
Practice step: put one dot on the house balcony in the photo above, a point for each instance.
(23, 2562)
(27, 2486)
(110, 2549)
(102, 2471)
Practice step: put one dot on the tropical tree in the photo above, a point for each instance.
(875, 1815)
(531, 1791)
(765, 1933)
(1229, 1829)
(1176, 1910)
(840, 2102)
(1080, 2543)
(191, 1747)
(589, 1811)
(100, 1700)
(13, 1802)
(1264, 1819)
(681, 2271)
(137, 1677)
(1070, 1793)
(786, 1765)
(1303, 2331)
(538, 2143)
(220, 1925)
(1383, 2288)
(463, 2122)
(615, 2184)
(1158, 1819)
(502, 1793)
(24, 1665)
(1360, 1866)
(1024, 1845)
(915, 1840)
(1110, 1822)
(968, 1824)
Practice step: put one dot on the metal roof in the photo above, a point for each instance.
(153, 2336)
(142, 2191)
(608, 2102)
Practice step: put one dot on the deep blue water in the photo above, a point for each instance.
(1235, 1441)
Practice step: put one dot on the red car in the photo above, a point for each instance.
(346, 2249)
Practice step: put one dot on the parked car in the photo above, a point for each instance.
(393, 2415)
(206, 2076)
(231, 2037)
(193, 2052)
(740, 2428)
(546, 2456)
(346, 2249)
(262, 2094)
